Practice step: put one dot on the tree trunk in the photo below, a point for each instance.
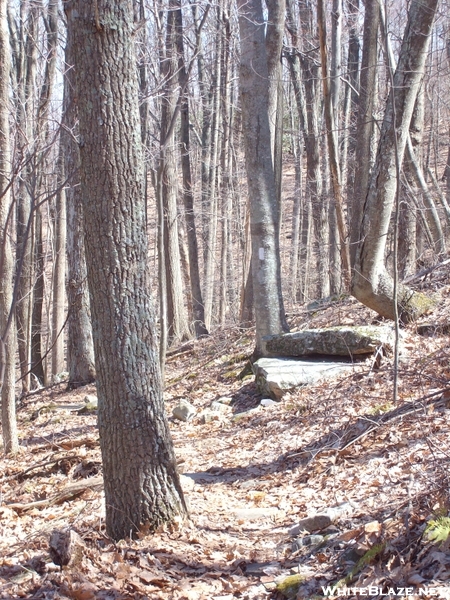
(365, 122)
(59, 276)
(7, 337)
(210, 200)
(25, 61)
(372, 284)
(177, 325)
(80, 345)
(188, 195)
(330, 93)
(142, 488)
(264, 225)
(38, 369)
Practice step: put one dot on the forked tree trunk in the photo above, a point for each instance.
(142, 487)
(372, 283)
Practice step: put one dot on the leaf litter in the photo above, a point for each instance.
(248, 481)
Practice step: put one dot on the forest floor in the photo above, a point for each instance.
(249, 477)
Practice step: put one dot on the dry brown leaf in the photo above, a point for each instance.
(373, 527)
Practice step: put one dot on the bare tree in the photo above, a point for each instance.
(372, 283)
(264, 210)
(142, 488)
(7, 331)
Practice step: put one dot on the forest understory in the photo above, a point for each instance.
(249, 476)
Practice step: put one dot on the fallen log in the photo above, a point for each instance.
(68, 493)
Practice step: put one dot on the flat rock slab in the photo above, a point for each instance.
(332, 341)
(275, 376)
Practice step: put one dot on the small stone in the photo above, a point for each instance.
(341, 510)
(184, 411)
(250, 484)
(208, 416)
(267, 402)
(310, 524)
(249, 514)
(187, 483)
(307, 540)
(243, 415)
(225, 400)
(217, 406)
(90, 399)
(66, 547)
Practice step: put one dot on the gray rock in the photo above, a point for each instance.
(184, 411)
(340, 510)
(225, 400)
(91, 399)
(310, 524)
(250, 484)
(307, 540)
(275, 376)
(249, 514)
(258, 569)
(217, 406)
(333, 341)
(322, 520)
(187, 483)
(244, 415)
(208, 416)
(267, 402)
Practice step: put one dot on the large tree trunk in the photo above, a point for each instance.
(372, 284)
(264, 212)
(142, 488)
(7, 338)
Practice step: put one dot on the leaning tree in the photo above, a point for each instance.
(373, 285)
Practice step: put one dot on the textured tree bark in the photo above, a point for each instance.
(7, 337)
(372, 284)
(264, 212)
(142, 487)
(80, 345)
